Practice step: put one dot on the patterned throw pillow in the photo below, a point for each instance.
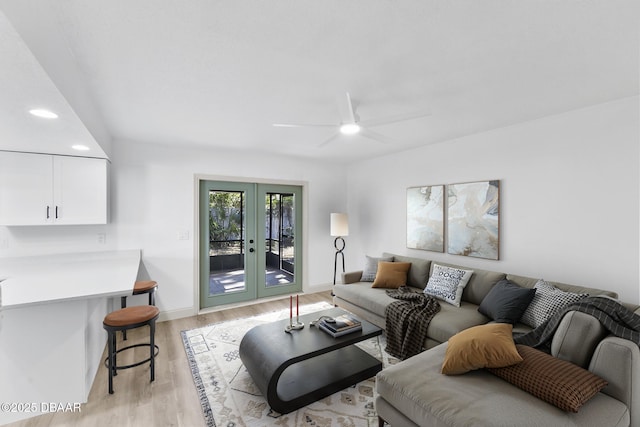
(547, 300)
(447, 283)
(555, 381)
(371, 267)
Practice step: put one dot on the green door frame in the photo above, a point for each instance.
(261, 248)
(255, 239)
(249, 223)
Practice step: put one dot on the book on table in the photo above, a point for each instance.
(343, 324)
(336, 334)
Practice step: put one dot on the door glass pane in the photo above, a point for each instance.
(280, 252)
(226, 241)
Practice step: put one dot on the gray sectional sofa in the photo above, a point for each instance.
(414, 392)
(370, 303)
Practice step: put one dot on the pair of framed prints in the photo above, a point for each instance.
(472, 218)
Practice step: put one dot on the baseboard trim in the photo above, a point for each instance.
(177, 314)
(193, 311)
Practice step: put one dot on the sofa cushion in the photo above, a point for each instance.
(418, 273)
(506, 302)
(447, 283)
(484, 346)
(577, 337)
(371, 267)
(363, 295)
(391, 274)
(556, 381)
(547, 300)
(450, 320)
(530, 282)
(416, 389)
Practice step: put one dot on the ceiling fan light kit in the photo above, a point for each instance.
(349, 128)
(353, 126)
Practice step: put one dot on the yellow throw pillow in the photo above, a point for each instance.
(391, 274)
(484, 346)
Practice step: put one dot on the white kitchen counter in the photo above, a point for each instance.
(51, 334)
(66, 277)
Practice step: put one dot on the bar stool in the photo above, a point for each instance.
(141, 287)
(123, 320)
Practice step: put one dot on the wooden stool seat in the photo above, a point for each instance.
(122, 320)
(131, 315)
(144, 286)
(141, 287)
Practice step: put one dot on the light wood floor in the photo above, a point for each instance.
(171, 400)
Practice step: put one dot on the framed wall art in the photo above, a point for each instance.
(473, 219)
(425, 218)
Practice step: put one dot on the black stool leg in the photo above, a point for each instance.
(115, 354)
(112, 362)
(123, 304)
(152, 297)
(152, 347)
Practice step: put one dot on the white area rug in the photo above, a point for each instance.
(229, 397)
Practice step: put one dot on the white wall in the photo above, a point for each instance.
(569, 203)
(154, 199)
(41, 240)
(569, 196)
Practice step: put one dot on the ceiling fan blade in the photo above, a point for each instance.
(333, 138)
(302, 125)
(395, 119)
(368, 133)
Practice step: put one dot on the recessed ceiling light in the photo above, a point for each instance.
(45, 114)
(80, 147)
(349, 128)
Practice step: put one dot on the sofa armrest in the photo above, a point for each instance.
(617, 361)
(351, 277)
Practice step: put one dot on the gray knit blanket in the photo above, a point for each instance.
(407, 321)
(616, 318)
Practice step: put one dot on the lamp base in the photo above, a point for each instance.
(339, 251)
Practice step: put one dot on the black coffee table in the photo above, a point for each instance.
(295, 369)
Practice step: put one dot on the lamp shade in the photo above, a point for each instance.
(339, 224)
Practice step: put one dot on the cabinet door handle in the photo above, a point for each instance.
(56, 212)
(48, 212)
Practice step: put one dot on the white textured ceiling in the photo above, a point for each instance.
(219, 73)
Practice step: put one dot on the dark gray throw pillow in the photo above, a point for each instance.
(506, 302)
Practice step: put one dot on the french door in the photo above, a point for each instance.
(250, 241)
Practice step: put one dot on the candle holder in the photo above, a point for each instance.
(297, 325)
(294, 326)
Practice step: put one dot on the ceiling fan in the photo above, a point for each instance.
(353, 125)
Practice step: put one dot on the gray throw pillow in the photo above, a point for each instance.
(371, 267)
(506, 302)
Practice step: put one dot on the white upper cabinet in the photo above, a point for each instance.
(41, 189)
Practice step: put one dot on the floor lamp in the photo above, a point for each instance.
(339, 228)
